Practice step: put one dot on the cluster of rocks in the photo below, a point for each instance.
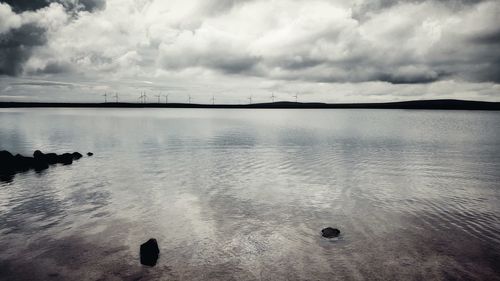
(13, 164)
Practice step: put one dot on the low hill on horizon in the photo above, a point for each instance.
(440, 104)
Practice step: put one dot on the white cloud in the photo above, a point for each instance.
(410, 47)
(8, 19)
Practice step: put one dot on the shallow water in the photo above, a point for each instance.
(244, 194)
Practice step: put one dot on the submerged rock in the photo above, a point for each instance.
(330, 232)
(149, 252)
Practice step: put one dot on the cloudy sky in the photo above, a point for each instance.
(322, 50)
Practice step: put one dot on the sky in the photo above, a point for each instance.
(231, 50)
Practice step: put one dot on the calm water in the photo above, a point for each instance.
(243, 195)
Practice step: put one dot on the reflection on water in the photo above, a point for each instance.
(243, 194)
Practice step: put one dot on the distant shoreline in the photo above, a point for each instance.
(443, 104)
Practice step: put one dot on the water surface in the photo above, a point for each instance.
(244, 194)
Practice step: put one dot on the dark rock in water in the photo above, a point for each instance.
(77, 155)
(11, 165)
(5, 155)
(6, 177)
(39, 161)
(149, 252)
(6, 159)
(90, 153)
(22, 163)
(40, 165)
(38, 155)
(51, 158)
(65, 159)
(330, 232)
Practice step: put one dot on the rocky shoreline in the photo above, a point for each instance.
(11, 164)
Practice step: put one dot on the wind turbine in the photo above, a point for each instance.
(272, 97)
(189, 98)
(166, 98)
(158, 96)
(105, 97)
(296, 97)
(250, 99)
(116, 97)
(144, 96)
(213, 100)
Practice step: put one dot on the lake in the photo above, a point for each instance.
(244, 194)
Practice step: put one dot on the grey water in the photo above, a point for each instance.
(244, 194)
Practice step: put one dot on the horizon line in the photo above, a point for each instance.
(443, 104)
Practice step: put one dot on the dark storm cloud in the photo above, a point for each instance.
(52, 68)
(234, 66)
(17, 45)
(480, 60)
(26, 5)
(368, 7)
(407, 79)
(471, 55)
(394, 41)
(33, 5)
(91, 5)
(489, 38)
(43, 83)
(329, 41)
(485, 72)
(227, 65)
